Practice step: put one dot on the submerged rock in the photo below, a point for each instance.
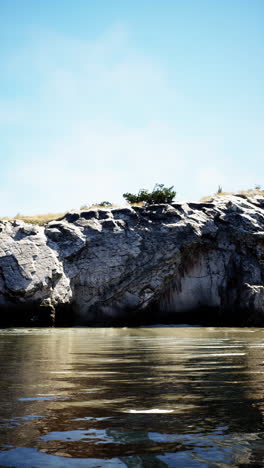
(179, 263)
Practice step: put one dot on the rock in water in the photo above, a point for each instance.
(180, 263)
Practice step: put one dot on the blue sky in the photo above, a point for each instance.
(98, 98)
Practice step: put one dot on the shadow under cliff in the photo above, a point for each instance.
(34, 315)
(203, 316)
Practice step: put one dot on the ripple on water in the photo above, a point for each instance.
(185, 397)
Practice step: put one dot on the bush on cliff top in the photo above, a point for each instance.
(159, 194)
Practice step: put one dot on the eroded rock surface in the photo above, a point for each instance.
(184, 262)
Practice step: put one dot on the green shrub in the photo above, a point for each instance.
(160, 194)
(105, 203)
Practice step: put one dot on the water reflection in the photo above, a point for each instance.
(131, 397)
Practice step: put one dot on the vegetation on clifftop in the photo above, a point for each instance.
(159, 194)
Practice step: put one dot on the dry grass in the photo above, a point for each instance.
(110, 207)
(252, 193)
(46, 218)
(101, 207)
(138, 204)
(245, 193)
(37, 219)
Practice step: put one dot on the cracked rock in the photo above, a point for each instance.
(184, 262)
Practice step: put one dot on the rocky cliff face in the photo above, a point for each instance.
(180, 263)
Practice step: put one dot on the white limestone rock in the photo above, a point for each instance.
(141, 264)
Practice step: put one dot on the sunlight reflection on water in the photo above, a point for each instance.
(141, 397)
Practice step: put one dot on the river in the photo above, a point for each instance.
(131, 397)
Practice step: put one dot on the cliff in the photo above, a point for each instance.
(179, 263)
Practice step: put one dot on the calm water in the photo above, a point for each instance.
(143, 397)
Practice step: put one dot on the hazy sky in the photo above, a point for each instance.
(101, 97)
